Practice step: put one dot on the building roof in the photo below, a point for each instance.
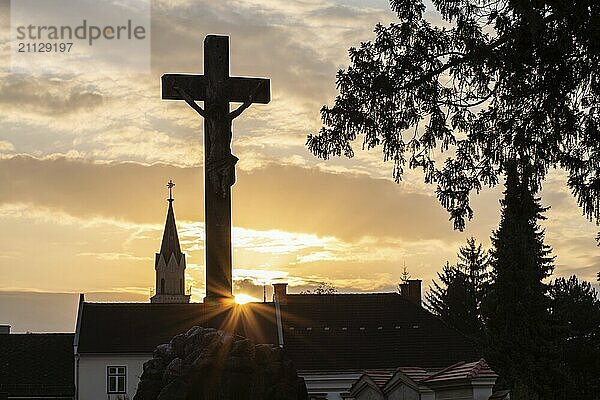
(37, 364)
(170, 240)
(463, 370)
(320, 332)
(361, 331)
(140, 327)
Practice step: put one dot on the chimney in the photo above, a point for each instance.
(411, 291)
(4, 329)
(280, 293)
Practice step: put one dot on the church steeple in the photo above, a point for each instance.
(170, 240)
(170, 262)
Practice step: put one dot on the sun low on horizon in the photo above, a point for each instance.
(242, 298)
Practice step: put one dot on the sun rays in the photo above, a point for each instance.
(243, 298)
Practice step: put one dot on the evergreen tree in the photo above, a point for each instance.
(457, 299)
(404, 278)
(575, 309)
(516, 308)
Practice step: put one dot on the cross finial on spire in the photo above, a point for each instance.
(170, 186)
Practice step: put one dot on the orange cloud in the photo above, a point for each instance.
(288, 198)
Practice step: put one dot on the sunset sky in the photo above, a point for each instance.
(85, 157)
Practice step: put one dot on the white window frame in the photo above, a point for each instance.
(114, 372)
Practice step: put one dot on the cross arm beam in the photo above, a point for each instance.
(238, 89)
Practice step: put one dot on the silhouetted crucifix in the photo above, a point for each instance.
(217, 89)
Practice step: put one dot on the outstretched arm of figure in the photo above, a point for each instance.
(236, 113)
(188, 99)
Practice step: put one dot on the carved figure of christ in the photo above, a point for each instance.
(220, 163)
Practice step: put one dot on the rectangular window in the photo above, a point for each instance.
(116, 379)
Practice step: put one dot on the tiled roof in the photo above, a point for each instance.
(320, 332)
(360, 331)
(38, 364)
(382, 376)
(457, 372)
(463, 370)
(140, 327)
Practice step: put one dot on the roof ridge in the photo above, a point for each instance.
(38, 334)
(342, 294)
(458, 364)
(118, 303)
(147, 304)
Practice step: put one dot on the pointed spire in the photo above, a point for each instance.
(170, 240)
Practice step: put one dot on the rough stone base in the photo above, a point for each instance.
(208, 364)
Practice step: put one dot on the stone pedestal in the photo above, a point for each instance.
(208, 364)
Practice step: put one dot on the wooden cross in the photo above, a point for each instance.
(217, 89)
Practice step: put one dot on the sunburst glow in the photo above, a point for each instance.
(245, 298)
